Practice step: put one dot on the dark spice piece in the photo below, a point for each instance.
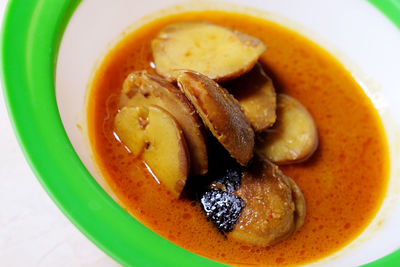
(222, 208)
(231, 178)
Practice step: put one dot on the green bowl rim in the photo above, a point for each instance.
(30, 38)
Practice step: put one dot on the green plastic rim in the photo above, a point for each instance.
(31, 34)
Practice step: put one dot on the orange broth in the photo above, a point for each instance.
(343, 183)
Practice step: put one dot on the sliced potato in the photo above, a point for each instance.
(299, 203)
(274, 209)
(161, 143)
(215, 51)
(166, 152)
(294, 136)
(144, 89)
(256, 95)
(221, 113)
(129, 126)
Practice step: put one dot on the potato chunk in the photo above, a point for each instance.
(129, 125)
(274, 205)
(221, 113)
(215, 51)
(256, 95)
(294, 136)
(144, 89)
(161, 143)
(299, 203)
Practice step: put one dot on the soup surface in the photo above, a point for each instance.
(343, 183)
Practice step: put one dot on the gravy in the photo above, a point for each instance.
(343, 183)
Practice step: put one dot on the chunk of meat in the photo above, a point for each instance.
(216, 51)
(275, 207)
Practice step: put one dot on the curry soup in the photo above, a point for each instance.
(343, 183)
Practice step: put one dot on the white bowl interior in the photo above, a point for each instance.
(353, 31)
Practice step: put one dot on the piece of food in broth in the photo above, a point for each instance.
(163, 145)
(221, 205)
(221, 113)
(215, 51)
(222, 208)
(130, 124)
(141, 88)
(256, 95)
(229, 179)
(299, 202)
(274, 205)
(294, 137)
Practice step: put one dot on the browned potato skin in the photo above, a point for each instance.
(275, 206)
(215, 51)
(256, 95)
(221, 113)
(144, 89)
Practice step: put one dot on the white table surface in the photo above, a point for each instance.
(33, 231)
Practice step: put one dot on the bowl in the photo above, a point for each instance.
(50, 50)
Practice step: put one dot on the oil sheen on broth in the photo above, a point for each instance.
(343, 183)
